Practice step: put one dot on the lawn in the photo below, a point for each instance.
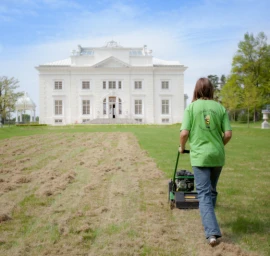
(243, 204)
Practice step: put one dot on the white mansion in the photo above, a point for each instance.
(111, 82)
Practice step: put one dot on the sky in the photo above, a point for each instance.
(201, 34)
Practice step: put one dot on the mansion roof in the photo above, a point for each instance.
(112, 55)
(156, 62)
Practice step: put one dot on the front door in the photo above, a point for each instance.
(112, 107)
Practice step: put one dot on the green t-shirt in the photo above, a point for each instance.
(206, 121)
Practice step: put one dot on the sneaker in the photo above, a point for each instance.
(212, 240)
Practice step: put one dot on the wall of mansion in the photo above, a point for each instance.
(111, 82)
(78, 94)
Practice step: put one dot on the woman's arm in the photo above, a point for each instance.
(227, 136)
(183, 139)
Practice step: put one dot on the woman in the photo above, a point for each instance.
(206, 125)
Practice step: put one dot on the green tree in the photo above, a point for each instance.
(251, 64)
(222, 81)
(218, 83)
(251, 96)
(231, 95)
(8, 96)
(215, 82)
(26, 118)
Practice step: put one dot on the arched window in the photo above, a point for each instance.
(104, 106)
(120, 106)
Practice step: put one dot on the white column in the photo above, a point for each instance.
(107, 108)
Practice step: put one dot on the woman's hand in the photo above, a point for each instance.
(181, 150)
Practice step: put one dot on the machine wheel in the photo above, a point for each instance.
(170, 189)
(172, 205)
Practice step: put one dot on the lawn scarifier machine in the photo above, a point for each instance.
(181, 189)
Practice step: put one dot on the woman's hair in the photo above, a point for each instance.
(203, 90)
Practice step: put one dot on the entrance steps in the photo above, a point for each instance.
(112, 121)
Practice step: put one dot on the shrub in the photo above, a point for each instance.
(31, 124)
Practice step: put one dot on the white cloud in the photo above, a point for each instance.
(62, 3)
(202, 38)
(21, 64)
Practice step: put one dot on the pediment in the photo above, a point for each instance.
(111, 62)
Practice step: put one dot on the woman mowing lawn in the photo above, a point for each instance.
(206, 125)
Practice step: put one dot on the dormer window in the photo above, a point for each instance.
(87, 52)
(135, 53)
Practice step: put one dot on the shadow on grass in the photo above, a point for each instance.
(240, 224)
(250, 229)
(243, 225)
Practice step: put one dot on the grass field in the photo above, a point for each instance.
(243, 205)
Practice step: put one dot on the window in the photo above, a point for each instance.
(120, 106)
(87, 52)
(58, 85)
(138, 85)
(165, 120)
(58, 107)
(104, 106)
(138, 107)
(86, 107)
(165, 107)
(165, 85)
(85, 120)
(58, 121)
(135, 53)
(85, 85)
(112, 85)
(138, 120)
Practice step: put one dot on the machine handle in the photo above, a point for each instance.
(186, 151)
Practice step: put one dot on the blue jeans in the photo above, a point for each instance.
(206, 179)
